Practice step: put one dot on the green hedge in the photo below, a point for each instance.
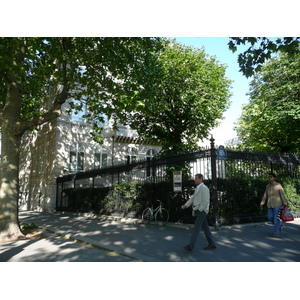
(129, 199)
(132, 198)
(86, 199)
(292, 192)
(239, 199)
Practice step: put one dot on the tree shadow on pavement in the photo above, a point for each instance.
(165, 243)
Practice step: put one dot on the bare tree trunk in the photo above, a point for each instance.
(9, 174)
(9, 188)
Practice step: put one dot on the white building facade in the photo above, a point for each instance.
(64, 146)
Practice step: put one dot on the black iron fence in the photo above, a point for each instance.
(244, 180)
(236, 179)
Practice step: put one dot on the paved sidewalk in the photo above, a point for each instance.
(127, 241)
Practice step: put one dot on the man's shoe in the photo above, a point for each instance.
(187, 248)
(275, 235)
(210, 247)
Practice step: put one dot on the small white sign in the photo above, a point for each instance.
(177, 181)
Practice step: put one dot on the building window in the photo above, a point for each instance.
(151, 153)
(76, 160)
(131, 155)
(100, 160)
(149, 156)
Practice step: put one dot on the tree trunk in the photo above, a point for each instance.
(9, 174)
(9, 187)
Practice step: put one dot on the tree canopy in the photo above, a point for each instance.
(261, 49)
(37, 75)
(271, 121)
(191, 92)
(93, 70)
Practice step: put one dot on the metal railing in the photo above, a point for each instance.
(236, 182)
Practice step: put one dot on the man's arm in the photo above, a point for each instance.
(191, 200)
(263, 201)
(282, 196)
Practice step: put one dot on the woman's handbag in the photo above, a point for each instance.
(286, 215)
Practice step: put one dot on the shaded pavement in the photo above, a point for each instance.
(78, 238)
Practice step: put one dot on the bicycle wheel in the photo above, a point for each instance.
(162, 216)
(147, 215)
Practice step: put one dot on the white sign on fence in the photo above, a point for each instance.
(177, 181)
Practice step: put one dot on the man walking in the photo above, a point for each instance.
(200, 202)
(274, 195)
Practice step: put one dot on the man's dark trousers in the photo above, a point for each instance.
(201, 222)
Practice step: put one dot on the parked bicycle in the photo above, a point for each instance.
(159, 214)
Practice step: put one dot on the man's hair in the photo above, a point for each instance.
(272, 174)
(200, 176)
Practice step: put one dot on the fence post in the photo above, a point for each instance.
(214, 195)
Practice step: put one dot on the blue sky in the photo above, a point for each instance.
(217, 46)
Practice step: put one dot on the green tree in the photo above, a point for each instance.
(261, 49)
(37, 75)
(190, 95)
(271, 121)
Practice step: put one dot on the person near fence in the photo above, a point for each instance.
(275, 198)
(200, 202)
